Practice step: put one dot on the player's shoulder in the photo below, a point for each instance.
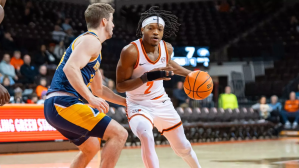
(88, 42)
(90, 39)
(169, 47)
(129, 55)
(130, 49)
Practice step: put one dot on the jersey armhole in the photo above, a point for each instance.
(167, 55)
(137, 61)
(73, 45)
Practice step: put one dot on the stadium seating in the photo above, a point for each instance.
(202, 24)
(203, 124)
(275, 40)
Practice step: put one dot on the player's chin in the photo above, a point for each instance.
(110, 36)
(154, 43)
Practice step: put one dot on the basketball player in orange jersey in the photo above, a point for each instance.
(78, 69)
(4, 95)
(140, 73)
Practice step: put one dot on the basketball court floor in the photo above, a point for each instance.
(282, 153)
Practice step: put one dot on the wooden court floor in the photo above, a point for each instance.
(283, 153)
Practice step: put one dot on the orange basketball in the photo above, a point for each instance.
(198, 85)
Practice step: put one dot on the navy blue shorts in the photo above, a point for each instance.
(75, 120)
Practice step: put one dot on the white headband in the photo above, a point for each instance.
(153, 19)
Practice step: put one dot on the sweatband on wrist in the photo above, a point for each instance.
(155, 75)
(151, 76)
(144, 78)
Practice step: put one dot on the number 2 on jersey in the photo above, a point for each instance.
(150, 85)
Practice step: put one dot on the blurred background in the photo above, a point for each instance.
(249, 48)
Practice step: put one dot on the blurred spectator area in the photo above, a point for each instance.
(44, 15)
(203, 23)
(276, 40)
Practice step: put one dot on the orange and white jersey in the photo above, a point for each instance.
(153, 89)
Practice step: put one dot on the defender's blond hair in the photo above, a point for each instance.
(96, 12)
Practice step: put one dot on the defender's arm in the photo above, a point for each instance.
(85, 49)
(104, 92)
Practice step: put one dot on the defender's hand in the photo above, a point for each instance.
(99, 104)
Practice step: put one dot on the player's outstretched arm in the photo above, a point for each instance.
(4, 95)
(104, 92)
(86, 48)
(176, 68)
(110, 96)
(1, 14)
(2, 3)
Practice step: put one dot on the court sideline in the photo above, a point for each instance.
(281, 153)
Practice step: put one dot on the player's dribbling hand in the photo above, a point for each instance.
(99, 104)
(168, 73)
(167, 69)
(4, 96)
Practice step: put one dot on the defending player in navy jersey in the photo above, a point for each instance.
(78, 69)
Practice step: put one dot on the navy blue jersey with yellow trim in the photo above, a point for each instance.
(60, 81)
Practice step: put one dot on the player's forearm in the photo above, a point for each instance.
(178, 70)
(2, 3)
(110, 96)
(1, 14)
(128, 85)
(75, 78)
